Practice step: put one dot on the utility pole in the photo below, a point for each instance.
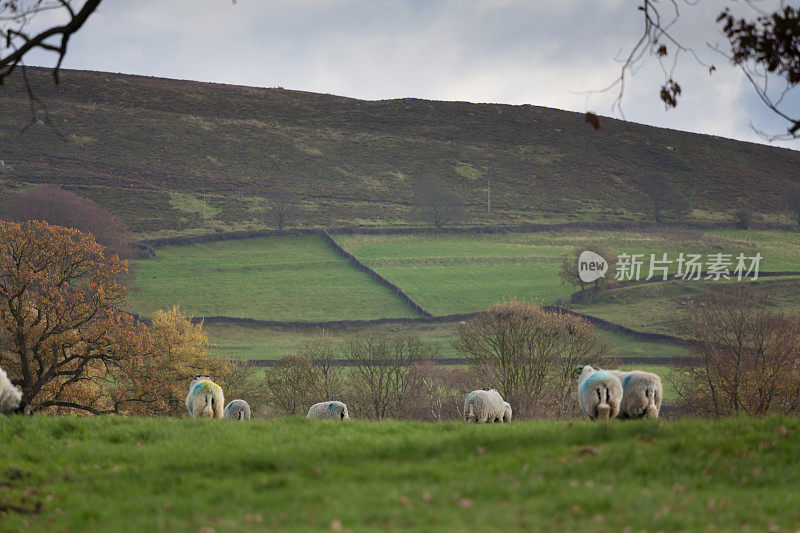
(488, 196)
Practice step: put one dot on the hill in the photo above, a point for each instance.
(291, 474)
(173, 156)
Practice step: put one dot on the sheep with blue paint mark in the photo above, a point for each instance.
(205, 399)
(11, 397)
(507, 412)
(599, 393)
(237, 410)
(486, 405)
(329, 410)
(641, 394)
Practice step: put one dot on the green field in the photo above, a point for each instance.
(252, 342)
(463, 273)
(292, 278)
(651, 307)
(132, 474)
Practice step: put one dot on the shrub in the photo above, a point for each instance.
(749, 355)
(529, 355)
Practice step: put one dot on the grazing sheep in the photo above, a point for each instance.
(483, 406)
(335, 410)
(507, 412)
(205, 398)
(11, 397)
(641, 394)
(599, 393)
(237, 410)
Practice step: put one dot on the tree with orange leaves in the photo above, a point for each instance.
(63, 339)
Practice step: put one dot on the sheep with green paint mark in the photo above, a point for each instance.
(641, 394)
(599, 393)
(507, 412)
(11, 397)
(486, 405)
(237, 410)
(205, 399)
(332, 410)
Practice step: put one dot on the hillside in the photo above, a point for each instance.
(174, 156)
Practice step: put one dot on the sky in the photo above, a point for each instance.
(545, 53)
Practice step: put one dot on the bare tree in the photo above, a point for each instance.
(570, 272)
(664, 201)
(793, 202)
(749, 355)
(324, 351)
(383, 374)
(743, 217)
(436, 204)
(764, 47)
(283, 207)
(291, 384)
(529, 354)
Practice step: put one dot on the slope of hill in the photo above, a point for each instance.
(174, 156)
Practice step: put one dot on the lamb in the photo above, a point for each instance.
(599, 393)
(11, 397)
(485, 405)
(641, 394)
(507, 412)
(237, 410)
(205, 398)
(334, 410)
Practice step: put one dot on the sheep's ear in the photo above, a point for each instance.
(577, 370)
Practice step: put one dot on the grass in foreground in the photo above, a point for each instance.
(293, 278)
(120, 474)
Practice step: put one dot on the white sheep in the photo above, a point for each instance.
(641, 394)
(599, 393)
(205, 398)
(11, 397)
(507, 412)
(334, 410)
(483, 406)
(237, 410)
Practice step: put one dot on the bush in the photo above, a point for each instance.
(749, 355)
(743, 218)
(63, 208)
(528, 355)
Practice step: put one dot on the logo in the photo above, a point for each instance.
(591, 266)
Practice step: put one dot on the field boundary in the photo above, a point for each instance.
(475, 230)
(580, 296)
(453, 361)
(355, 262)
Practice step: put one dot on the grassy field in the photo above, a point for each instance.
(464, 273)
(180, 157)
(129, 475)
(249, 342)
(297, 278)
(650, 307)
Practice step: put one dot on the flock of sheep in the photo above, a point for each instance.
(602, 395)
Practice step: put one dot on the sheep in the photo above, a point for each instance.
(237, 410)
(507, 412)
(335, 410)
(205, 398)
(599, 393)
(483, 406)
(641, 394)
(11, 397)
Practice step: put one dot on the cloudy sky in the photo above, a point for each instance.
(545, 53)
